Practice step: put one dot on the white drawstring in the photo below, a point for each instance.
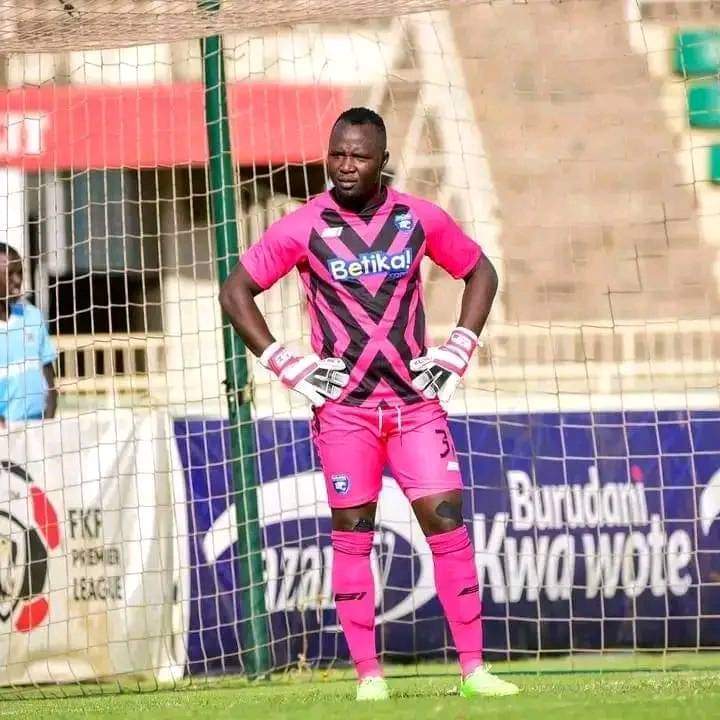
(398, 416)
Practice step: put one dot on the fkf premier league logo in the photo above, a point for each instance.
(28, 530)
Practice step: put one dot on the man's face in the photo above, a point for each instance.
(356, 157)
(10, 277)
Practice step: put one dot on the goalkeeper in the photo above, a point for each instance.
(375, 388)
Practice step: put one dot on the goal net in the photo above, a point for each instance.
(578, 142)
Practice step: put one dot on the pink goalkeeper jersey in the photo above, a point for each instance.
(361, 274)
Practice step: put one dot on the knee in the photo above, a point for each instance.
(358, 525)
(438, 526)
(358, 520)
(444, 517)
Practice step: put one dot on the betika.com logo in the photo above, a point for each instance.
(371, 263)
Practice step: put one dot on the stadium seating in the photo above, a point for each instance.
(697, 53)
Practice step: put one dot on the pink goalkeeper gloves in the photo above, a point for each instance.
(312, 377)
(442, 367)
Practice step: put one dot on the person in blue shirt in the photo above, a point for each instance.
(27, 377)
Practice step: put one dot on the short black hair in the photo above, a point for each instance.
(9, 250)
(363, 116)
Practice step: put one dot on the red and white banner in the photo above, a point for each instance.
(82, 126)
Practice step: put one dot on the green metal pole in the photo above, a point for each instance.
(254, 629)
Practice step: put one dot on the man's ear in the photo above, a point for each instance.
(386, 157)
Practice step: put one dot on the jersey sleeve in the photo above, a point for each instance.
(273, 256)
(449, 246)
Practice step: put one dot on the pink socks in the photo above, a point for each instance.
(354, 590)
(457, 586)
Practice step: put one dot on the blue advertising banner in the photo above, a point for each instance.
(591, 531)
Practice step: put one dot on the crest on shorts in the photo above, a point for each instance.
(403, 221)
(341, 483)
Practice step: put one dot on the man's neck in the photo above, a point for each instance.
(363, 205)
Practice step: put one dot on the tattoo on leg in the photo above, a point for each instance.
(450, 511)
(363, 525)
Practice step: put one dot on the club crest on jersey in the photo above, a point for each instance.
(372, 263)
(403, 221)
(341, 483)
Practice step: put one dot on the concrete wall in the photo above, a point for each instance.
(598, 220)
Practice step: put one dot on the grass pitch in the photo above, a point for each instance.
(635, 687)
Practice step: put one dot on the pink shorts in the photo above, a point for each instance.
(355, 444)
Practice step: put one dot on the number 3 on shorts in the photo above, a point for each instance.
(445, 443)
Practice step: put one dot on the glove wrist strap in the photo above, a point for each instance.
(462, 342)
(467, 333)
(275, 357)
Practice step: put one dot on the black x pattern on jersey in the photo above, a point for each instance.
(375, 305)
